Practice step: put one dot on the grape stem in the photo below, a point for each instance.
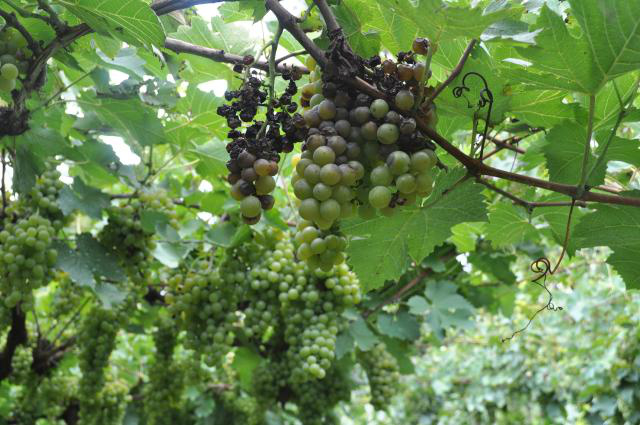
(425, 77)
(272, 76)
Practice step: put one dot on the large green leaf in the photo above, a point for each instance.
(131, 21)
(612, 31)
(381, 249)
(137, 123)
(559, 59)
(564, 152)
(542, 108)
(508, 224)
(617, 227)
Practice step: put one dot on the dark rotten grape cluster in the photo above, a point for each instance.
(255, 145)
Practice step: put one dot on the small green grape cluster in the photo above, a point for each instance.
(382, 372)
(21, 364)
(14, 58)
(43, 197)
(26, 258)
(162, 393)
(97, 339)
(319, 248)
(204, 306)
(107, 407)
(316, 399)
(66, 295)
(43, 397)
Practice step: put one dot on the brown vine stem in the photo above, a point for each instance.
(529, 206)
(454, 73)
(329, 18)
(180, 46)
(290, 55)
(397, 296)
(58, 25)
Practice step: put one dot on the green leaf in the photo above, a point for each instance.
(362, 335)
(27, 167)
(131, 21)
(612, 31)
(564, 151)
(364, 43)
(443, 307)
(508, 225)
(81, 197)
(559, 59)
(344, 344)
(222, 234)
(382, 248)
(137, 123)
(494, 263)
(247, 10)
(402, 325)
(213, 158)
(109, 295)
(542, 108)
(618, 227)
(244, 362)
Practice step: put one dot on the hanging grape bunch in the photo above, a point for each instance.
(360, 153)
(382, 372)
(255, 145)
(27, 257)
(14, 57)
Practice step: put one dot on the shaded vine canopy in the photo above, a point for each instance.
(303, 184)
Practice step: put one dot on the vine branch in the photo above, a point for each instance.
(454, 73)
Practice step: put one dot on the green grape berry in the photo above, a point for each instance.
(380, 197)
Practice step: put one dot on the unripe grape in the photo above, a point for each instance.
(379, 108)
(337, 144)
(329, 210)
(312, 173)
(262, 167)
(312, 118)
(359, 115)
(381, 176)
(342, 194)
(369, 131)
(302, 189)
(302, 164)
(388, 134)
(7, 85)
(424, 183)
(421, 161)
(343, 127)
(398, 162)
(249, 174)
(309, 209)
(404, 100)
(358, 168)
(322, 192)
(9, 71)
(265, 185)
(315, 141)
(330, 174)
(326, 109)
(406, 183)
(250, 206)
(324, 155)
(315, 100)
(380, 197)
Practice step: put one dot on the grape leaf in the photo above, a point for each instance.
(542, 108)
(131, 21)
(364, 43)
(612, 31)
(560, 60)
(443, 307)
(137, 123)
(402, 325)
(618, 227)
(564, 152)
(362, 335)
(381, 248)
(508, 224)
(81, 197)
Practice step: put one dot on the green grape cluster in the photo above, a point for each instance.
(204, 306)
(97, 339)
(66, 296)
(26, 258)
(382, 372)
(14, 58)
(44, 397)
(163, 391)
(43, 197)
(21, 364)
(107, 407)
(319, 248)
(316, 399)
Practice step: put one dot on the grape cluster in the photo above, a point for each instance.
(97, 339)
(316, 399)
(204, 306)
(26, 258)
(255, 147)
(382, 372)
(14, 58)
(107, 407)
(125, 235)
(319, 248)
(162, 393)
